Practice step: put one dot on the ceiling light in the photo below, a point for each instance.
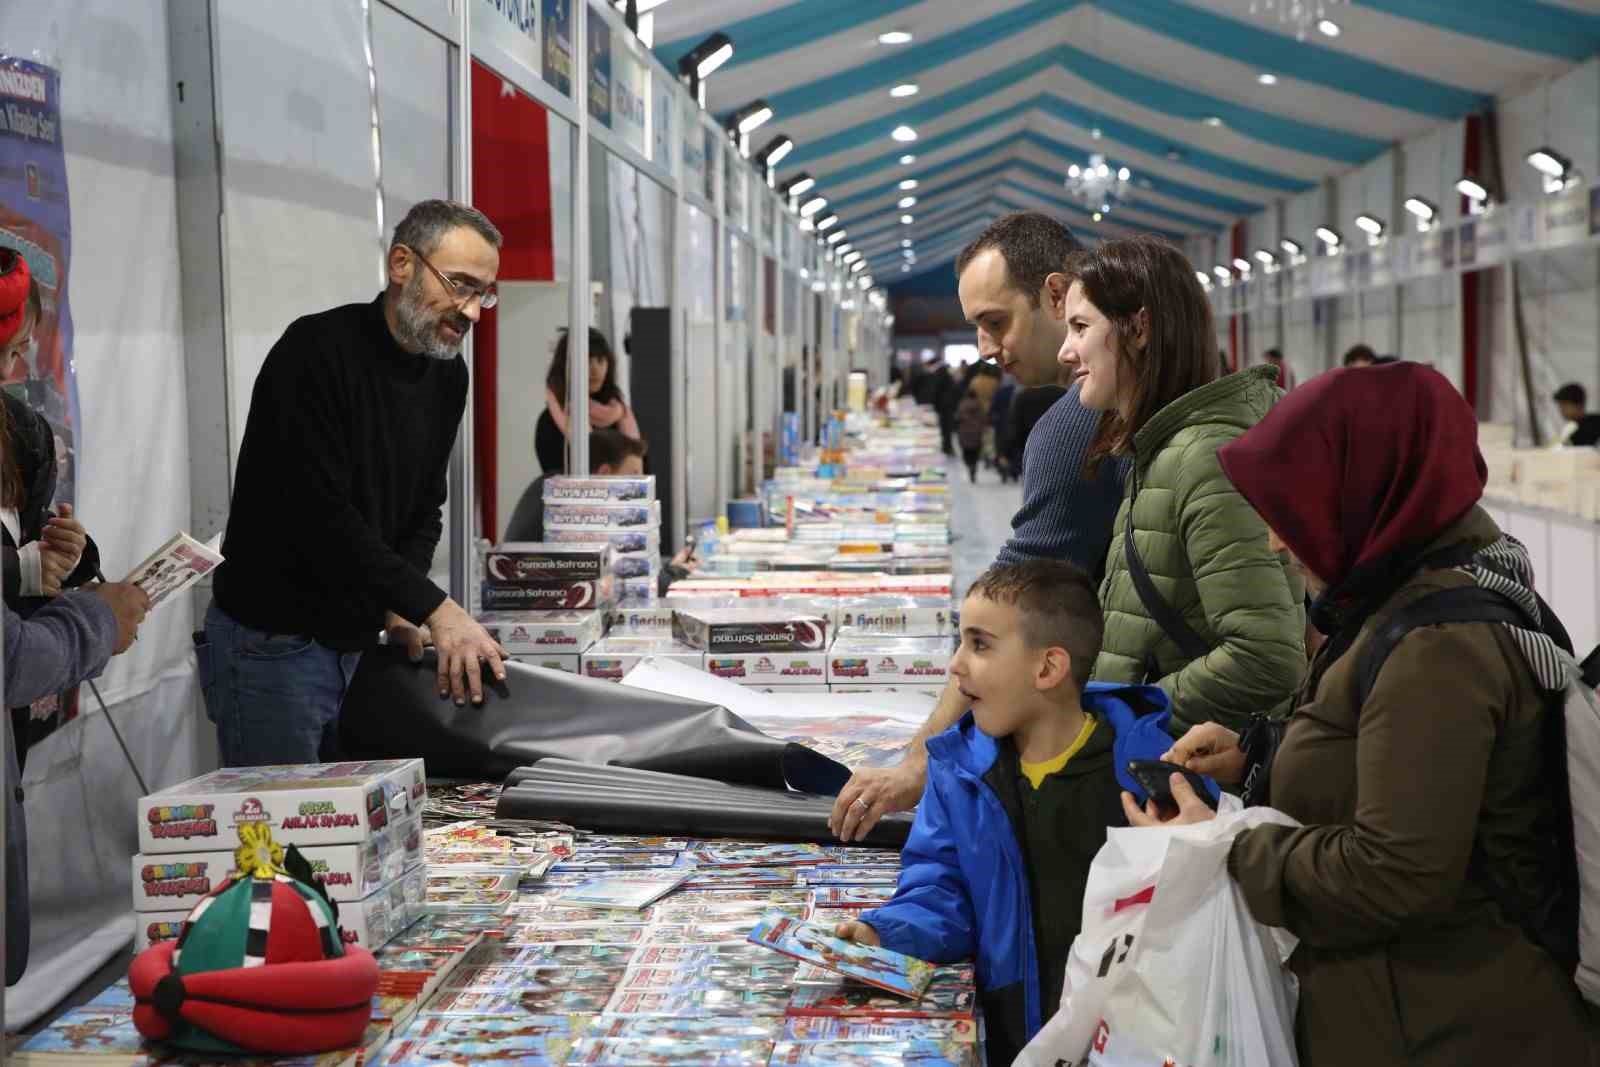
(906, 201)
(842, 249)
(1265, 258)
(1291, 248)
(773, 152)
(1074, 171)
(1549, 162)
(1203, 278)
(858, 266)
(1267, 79)
(1095, 133)
(812, 206)
(908, 185)
(1472, 190)
(836, 236)
(751, 116)
(799, 185)
(1424, 210)
(1241, 265)
(905, 242)
(1212, 120)
(1097, 216)
(907, 159)
(1124, 174)
(906, 220)
(701, 61)
(1329, 28)
(1329, 237)
(827, 220)
(904, 90)
(908, 253)
(904, 133)
(1222, 272)
(895, 37)
(851, 257)
(1373, 225)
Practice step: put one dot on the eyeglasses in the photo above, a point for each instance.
(463, 293)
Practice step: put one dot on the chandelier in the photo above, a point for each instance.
(1301, 14)
(1097, 186)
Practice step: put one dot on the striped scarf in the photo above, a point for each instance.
(1505, 568)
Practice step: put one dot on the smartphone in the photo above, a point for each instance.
(1156, 777)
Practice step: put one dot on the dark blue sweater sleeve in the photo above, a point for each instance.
(1064, 515)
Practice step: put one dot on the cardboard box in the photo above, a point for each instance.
(641, 620)
(370, 922)
(552, 661)
(533, 633)
(600, 488)
(753, 629)
(891, 660)
(614, 657)
(177, 880)
(535, 562)
(620, 540)
(637, 565)
(603, 516)
(769, 668)
(550, 596)
(897, 616)
(310, 804)
(638, 590)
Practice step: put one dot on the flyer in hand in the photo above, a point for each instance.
(878, 967)
(175, 566)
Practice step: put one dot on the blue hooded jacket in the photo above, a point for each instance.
(964, 889)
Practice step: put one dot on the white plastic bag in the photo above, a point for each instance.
(1169, 967)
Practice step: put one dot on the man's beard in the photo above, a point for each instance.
(416, 327)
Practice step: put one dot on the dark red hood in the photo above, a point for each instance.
(1359, 465)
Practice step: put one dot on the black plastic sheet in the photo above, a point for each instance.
(623, 800)
(393, 710)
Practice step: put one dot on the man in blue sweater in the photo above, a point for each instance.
(1012, 290)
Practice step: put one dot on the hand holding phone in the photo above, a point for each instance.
(1155, 777)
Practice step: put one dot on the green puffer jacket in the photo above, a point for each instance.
(1206, 551)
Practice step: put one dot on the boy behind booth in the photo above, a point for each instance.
(1019, 795)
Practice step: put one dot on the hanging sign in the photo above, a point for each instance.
(695, 171)
(558, 45)
(663, 119)
(512, 26)
(629, 89)
(1483, 241)
(599, 71)
(1565, 218)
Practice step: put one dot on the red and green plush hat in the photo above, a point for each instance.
(259, 968)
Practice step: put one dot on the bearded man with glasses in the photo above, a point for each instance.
(338, 498)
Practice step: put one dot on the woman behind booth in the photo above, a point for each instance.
(608, 408)
(1194, 600)
(1420, 859)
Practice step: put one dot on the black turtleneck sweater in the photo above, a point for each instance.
(341, 479)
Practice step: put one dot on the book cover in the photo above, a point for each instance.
(175, 566)
(845, 999)
(877, 967)
(873, 1054)
(625, 891)
(649, 1051)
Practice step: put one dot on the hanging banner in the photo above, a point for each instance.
(663, 121)
(1564, 218)
(511, 26)
(558, 45)
(599, 70)
(629, 86)
(35, 220)
(696, 175)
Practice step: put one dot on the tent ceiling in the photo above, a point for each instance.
(1010, 92)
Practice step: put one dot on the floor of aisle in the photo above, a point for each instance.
(980, 520)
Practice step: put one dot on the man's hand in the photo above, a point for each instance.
(857, 931)
(870, 794)
(129, 604)
(1210, 749)
(402, 634)
(462, 646)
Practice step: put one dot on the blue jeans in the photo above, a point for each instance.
(274, 697)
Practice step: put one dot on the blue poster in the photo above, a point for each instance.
(35, 220)
(599, 70)
(558, 45)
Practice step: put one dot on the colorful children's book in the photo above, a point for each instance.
(648, 1051)
(877, 967)
(873, 1054)
(844, 998)
(175, 566)
(726, 855)
(840, 1028)
(628, 891)
(696, 1027)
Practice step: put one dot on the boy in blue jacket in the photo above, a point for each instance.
(1018, 797)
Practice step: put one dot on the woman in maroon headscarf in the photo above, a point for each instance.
(1419, 855)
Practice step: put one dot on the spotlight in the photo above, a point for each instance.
(1265, 258)
(1472, 190)
(904, 134)
(858, 266)
(907, 201)
(799, 185)
(851, 257)
(907, 159)
(750, 117)
(908, 184)
(703, 60)
(1203, 278)
(1373, 225)
(1555, 167)
(1423, 209)
(1242, 265)
(899, 92)
(1290, 248)
(812, 206)
(1124, 174)
(1222, 272)
(775, 150)
(905, 242)
(1329, 236)
(1329, 28)
(836, 236)
(895, 37)
(827, 220)
(907, 220)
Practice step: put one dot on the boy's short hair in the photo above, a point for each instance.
(1057, 604)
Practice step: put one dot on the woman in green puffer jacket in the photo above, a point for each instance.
(1142, 346)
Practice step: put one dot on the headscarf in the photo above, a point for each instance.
(1361, 466)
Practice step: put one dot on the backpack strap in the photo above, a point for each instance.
(1161, 610)
(1468, 603)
